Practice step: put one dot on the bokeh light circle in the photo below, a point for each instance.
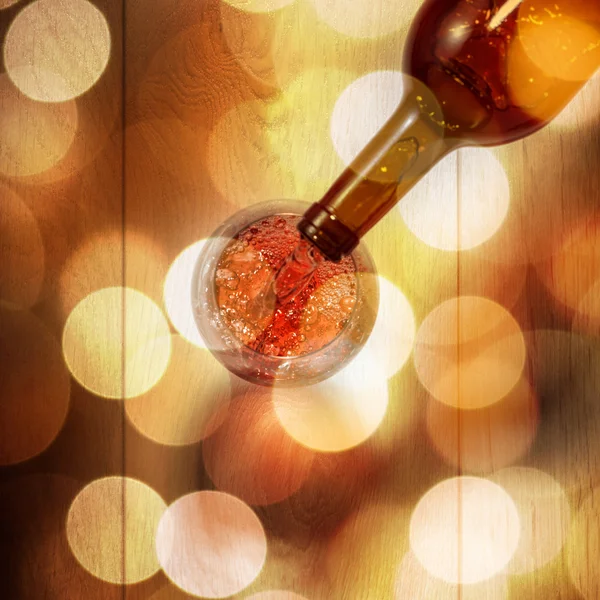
(572, 274)
(486, 439)
(36, 558)
(252, 456)
(300, 119)
(269, 138)
(362, 18)
(469, 352)
(393, 335)
(563, 43)
(374, 96)
(35, 136)
(188, 403)
(111, 528)
(427, 276)
(259, 6)
(544, 513)
(539, 94)
(413, 581)
(178, 293)
(34, 387)
(274, 48)
(465, 530)
(112, 358)
(55, 50)
(454, 207)
(340, 412)
(211, 544)
(22, 253)
(104, 259)
(240, 138)
(583, 547)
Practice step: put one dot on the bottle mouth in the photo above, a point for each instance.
(322, 228)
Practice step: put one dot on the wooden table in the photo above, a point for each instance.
(202, 110)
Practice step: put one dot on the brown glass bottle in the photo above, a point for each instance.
(478, 72)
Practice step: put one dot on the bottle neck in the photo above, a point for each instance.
(401, 153)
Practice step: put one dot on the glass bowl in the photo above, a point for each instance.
(262, 369)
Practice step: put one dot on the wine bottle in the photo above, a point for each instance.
(478, 72)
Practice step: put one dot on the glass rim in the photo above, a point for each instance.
(207, 256)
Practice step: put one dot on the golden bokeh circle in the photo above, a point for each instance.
(178, 293)
(469, 352)
(375, 96)
(22, 253)
(116, 343)
(534, 91)
(486, 439)
(34, 387)
(572, 274)
(55, 50)
(188, 403)
(544, 513)
(427, 276)
(269, 138)
(465, 530)
(240, 138)
(449, 216)
(393, 335)
(36, 559)
(274, 49)
(300, 120)
(561, 40)
(363, 18)
(340, 412)
(103, 260)
(211, 544)
(111, 528)
(252, 457)
(35, 136)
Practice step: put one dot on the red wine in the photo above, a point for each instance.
(277, 295)
(296, 271)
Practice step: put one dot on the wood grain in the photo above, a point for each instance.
(205, 109)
